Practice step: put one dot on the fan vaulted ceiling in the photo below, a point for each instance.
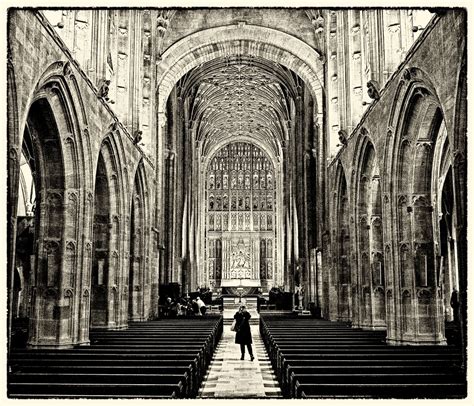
(240, 96)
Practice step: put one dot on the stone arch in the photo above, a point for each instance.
(59, 83)
(107, 266)
(341, 210)
(369, 235)
(415, 81)
(247, 39)
(138, 281)
(44, 129)
(425, 133)
(53, 104)
(419, 127)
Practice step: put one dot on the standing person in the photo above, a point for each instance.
(194, 307)
(201, 305)
(243, 335)
(168, 305)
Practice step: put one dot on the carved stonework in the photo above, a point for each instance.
(67, 70)
(373, 89)
(240, 98)
(422, 92)
(162, 25)
(376, 221)
(424, 294)
(406, 293)
(421, 201)
(402, 200)
(407, 74)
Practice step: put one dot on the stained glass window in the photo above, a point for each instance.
(240, 197)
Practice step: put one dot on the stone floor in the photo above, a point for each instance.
(229, 377)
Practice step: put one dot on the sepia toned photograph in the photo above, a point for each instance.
(236, 202)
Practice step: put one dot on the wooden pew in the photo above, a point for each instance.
(315, 358)
(152, 359)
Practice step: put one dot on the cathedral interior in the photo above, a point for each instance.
(310, 163)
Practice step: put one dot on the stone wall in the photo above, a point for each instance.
(53, 105)
(390, 181)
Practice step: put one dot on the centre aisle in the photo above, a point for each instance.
(229, 377)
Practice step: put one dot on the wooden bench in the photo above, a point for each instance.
(94, 390)
(354, 375)
(315, 358)
(383, 391)
(152, 359)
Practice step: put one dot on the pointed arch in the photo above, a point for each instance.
(109, 222)
(419, 136)
(369, 235)
(138, 273)
(343, 236)
(268, 43)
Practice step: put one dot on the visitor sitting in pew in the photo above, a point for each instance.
(181, 308)
(171, 309)
(189, 308)
(184, 307)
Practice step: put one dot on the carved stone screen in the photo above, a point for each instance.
(240, 234)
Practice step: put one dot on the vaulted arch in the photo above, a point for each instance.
(109, 229)
(47, 172)
(343, 253)
(421, 127)
(212, 43)
(369, 238)
(140, 277)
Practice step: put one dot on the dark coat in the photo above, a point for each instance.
(243, 335)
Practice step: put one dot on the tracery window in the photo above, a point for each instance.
(241, 162)
(240, 195)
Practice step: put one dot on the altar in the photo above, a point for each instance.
(240, 260)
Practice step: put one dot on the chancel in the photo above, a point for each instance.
(168, 166)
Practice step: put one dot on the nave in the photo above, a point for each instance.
(309, 162)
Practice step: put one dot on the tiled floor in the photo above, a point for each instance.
(229, 377)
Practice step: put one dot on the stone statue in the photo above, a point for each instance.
(300, 293)
(342, 137)
(137, 137)
(104, 89)
(373, 89)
